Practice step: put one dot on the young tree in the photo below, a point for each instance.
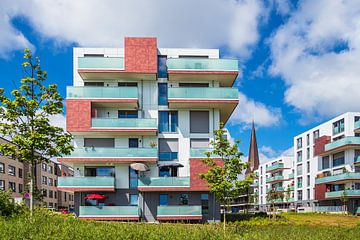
(223, 175)
(24, 117)
(272, 196)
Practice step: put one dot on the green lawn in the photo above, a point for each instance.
(290, 226)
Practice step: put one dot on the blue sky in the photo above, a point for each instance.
(299, 67)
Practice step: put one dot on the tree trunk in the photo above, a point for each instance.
(225, 219)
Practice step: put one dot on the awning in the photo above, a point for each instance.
(175, 164)
(95, 196)
(141, 167)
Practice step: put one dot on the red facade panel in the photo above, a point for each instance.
(320, 144)
(141, 55)
(197, 167)
(320, 190)
(78, 115)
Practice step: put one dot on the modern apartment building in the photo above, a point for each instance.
(276, 175)
(142, 118)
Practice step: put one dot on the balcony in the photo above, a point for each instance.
(276, 189)
(342, 194)
(122, 155)
(275, 167)
(206, 69)
(225, 99)
(83, 184)
(182, 212)
(291, 188)
(357, 160)
(339, 178)
(164, 184)
(278, 178)
(341, 145)
(109, 212)
(101, 63)
(291, 176)
(200, 153)
(145, 126)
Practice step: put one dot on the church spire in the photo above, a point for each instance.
(253, 152)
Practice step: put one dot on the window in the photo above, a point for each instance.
(11, 170)
(199, 122)
(127, 114)
(202, 85)
(299, 182)
(44, 180)
(2, 168)
(338, 159)
(12, 186)
(44, 192)
(55, 183)
(162, 67)
(50, 169)
(51, 194)
(99, 142)
(99, 171)
(308, 153)
(325, 162)
(162, 98)
(338, 126)
(50, 182)
(65, 196)
(299, 169)
(205, 203)
(357, 155)
(134, 199)
(20, 173)
(94, 84)
(55, 194)
(308, 194)
(164, 172)
(20, 188)
(299, 143)
(163, 199)
(2, 185)
(184, 199)
(316, 134)
(300, 197)
(133, 175)
(299, 156)
(307, 167)
(93, 55)
(127, 84)
(168, 121)
(168, 149)
(308, 181)
(44, 167)
(199, 143)
(307, 139)
(133, 142)
(356, 118)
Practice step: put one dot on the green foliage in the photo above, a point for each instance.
(223, 177)
(25, 117)
(7, 205)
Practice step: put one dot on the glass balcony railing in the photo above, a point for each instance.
(168, 156)
(342, 142)
(290, 200)
(275, 178)
(343, 194)
(339, 177)
(200, 152)
(205, 64)
(109, 211)
(102, 92)
(203, 93)
(291, 188)
(124, 123)
(179, 211)
(275, 167)
(114, 152)
(357, 159)
(86, 182)
(291, 175)
(116, 63)
(164, 182)
(276, 189)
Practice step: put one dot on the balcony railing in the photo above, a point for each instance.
(113, 152)
(342, 142)
(108, 211)
(339, 177)
(210, 93)
(357, 159)
(168, 156)
(115, 63)
(343, 194)
(86, 182)
(329, 209)
(101, 92)
(206, 64)
(275, 167)
(291, 175)
(164, 182)
(277, 189)
(130, 123)
(200, 152)
(183, 210)
(275, 178)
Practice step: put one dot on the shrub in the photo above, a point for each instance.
(7, 205)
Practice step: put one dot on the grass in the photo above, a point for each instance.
(45, 225)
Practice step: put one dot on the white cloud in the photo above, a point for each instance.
(249, 110)
(58, 120)
(317, 53)
(282, 7)
(202, 23)
(267, 153)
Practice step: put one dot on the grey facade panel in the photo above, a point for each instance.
(99, 142)
(199, 121)
(199, 143)
(168, 145)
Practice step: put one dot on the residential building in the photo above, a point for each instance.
(142, 118)
(65, 199)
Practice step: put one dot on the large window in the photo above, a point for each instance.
(50, 182)
(338, 159)
(299, 169)
(299, 143)
(300, 196)
(205, 203)
(12, 186)
(99, 171)
(11, 170)
(184, 199)
(2, 168)
(133, 178)
(168, 121)
(299, 182)
(51, 194)
(20, 173)
(163, 199)
(168, 149)
(99, 142)
(44, 180)
(162, 68)
(163, 91)
(199, 122)
(94, 84)
(127, 114)
(50, 169)
(2, 185)
(299, 156)
(127, 84)
(338, 126)
(316, 134)
(133, 142)
(325, 162)
(134, 199)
